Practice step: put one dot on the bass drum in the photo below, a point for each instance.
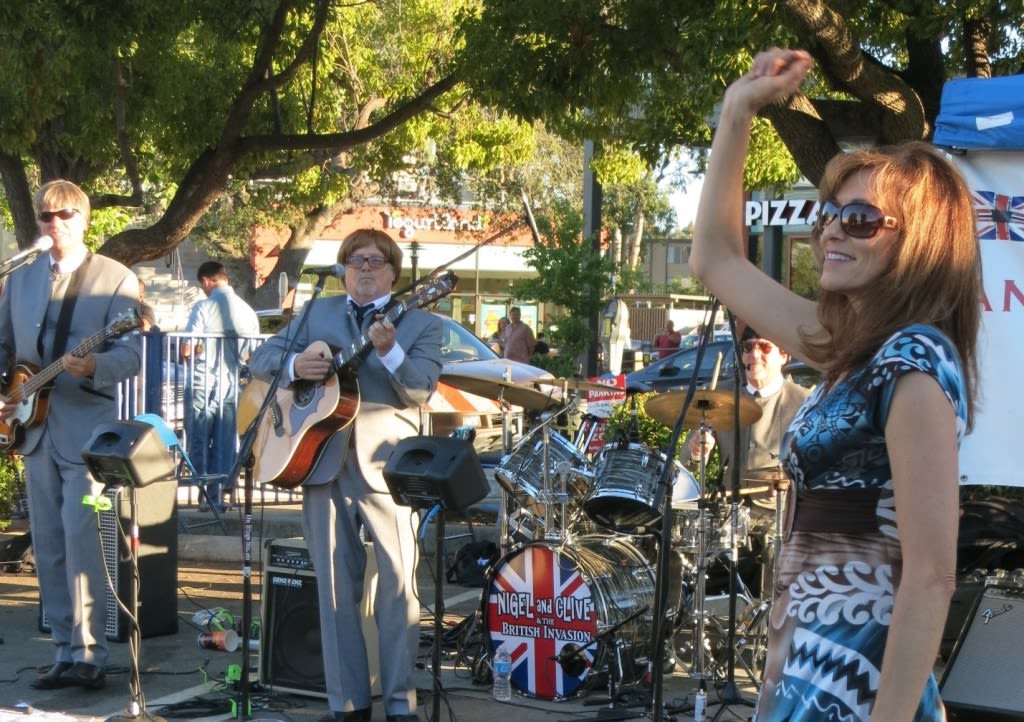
(547, 601)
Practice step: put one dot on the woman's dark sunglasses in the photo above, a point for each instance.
(65, 214)
(857, 219)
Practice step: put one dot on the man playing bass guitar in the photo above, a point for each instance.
(47, 308)
(345, 489)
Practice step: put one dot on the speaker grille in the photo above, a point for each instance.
(984, 672)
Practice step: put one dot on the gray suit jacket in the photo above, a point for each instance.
(76, 405)
(389, 403)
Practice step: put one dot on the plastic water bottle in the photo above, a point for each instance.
(700, 706)
(502, 674)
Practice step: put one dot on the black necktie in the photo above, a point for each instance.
(362, 312)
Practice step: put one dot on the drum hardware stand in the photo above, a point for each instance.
(572, 655)
(664, 541)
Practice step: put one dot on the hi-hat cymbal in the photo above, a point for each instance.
(576, 384)
(529, 398)
(713, 407)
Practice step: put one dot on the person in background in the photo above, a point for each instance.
(346, 491)
(541, 347)
(667, 342)
(760, 443)
(49, 307)
(865, 576)
(519, 341)
(223, 326)
(497, 339)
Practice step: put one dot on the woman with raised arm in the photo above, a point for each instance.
(868, 566)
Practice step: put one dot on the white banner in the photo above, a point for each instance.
(994, 452)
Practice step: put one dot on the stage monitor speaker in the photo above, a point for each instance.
(982, 679)
(128, 453)
(291, 654)
(158, 560)
(423, 470)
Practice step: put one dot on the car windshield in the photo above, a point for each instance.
(679, 363)
(459, 344)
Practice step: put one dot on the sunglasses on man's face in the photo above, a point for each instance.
(65, 214)
(764, 347)
(857, 219)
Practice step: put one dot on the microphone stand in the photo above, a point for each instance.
(665, 534)
(244, 459)
(729, 695)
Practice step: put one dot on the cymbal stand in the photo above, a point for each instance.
(698, 670)
(503, 501)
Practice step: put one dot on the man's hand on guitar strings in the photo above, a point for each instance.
(79, 367)
(382, 334)
(313, 364)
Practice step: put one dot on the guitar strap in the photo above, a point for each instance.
(67, 308)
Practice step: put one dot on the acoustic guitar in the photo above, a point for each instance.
(301, 418)
(29, 389)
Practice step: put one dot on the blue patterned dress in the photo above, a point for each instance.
(834, 590)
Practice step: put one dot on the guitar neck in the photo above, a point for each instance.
(44, 377)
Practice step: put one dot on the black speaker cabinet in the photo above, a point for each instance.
(425, 469)
(128, 453)
(158, 560)
(982, 680)
(291, 655)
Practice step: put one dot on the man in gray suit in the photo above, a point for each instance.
(47, 309)
(346, 489)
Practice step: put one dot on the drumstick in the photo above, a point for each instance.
(718, 366)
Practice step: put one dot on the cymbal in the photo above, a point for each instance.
(528, 398)
(576, 384)
(714, 407)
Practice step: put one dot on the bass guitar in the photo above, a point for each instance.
(301, 418)
(29, 389)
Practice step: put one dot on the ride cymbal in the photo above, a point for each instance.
(715, 408)
(528, 398)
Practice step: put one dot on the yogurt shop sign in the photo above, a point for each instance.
(408, 224)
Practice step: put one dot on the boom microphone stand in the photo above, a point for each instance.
(729, 694)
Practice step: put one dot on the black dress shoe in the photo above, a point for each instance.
(403, 718)
(357, 715)
(83, 674)
(52, 679)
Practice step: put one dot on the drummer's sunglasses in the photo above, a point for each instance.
(857, 219)
(764, 347)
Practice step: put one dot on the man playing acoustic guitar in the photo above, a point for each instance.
(345, 490)
(50, 312)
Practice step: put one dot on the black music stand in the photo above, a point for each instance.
(436, 473)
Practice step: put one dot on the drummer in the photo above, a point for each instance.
(779, 399)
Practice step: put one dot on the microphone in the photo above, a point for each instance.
(42, 244)
(335, 270)
(570, 661)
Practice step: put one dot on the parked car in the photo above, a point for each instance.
(676, 371)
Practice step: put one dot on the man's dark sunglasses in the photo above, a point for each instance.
(65, 214)
(857, 219)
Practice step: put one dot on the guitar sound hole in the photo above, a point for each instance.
(304, 393)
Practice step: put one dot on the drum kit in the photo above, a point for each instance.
(573, 594)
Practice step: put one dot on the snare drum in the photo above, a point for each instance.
(545, 600)
(521, 473)
(626, 495)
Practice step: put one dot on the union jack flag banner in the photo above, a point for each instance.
(993, 454)
(544, 601)
(982, 121)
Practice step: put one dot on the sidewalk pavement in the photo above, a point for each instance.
(175, 670)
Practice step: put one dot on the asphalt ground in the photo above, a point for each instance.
(180, 680)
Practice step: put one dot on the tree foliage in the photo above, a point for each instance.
(649, 72)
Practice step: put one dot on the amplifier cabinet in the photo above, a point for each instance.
(158, 560)
(291, 657)
(982, 679)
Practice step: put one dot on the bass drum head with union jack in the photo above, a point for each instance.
(545, 601)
